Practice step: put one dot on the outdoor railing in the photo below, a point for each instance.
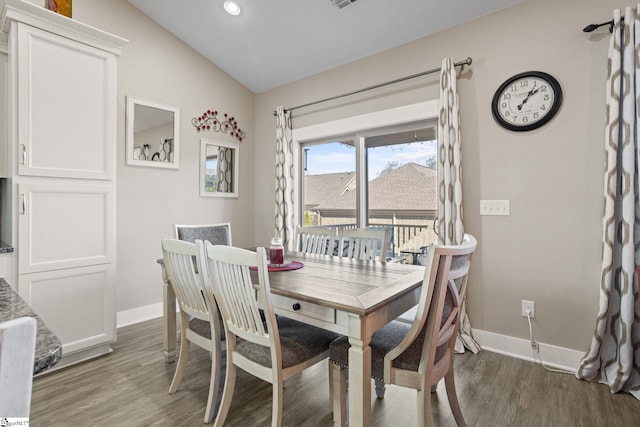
(404, 236)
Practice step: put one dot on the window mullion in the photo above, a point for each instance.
(361, 182)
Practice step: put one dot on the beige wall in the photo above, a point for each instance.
(157, 66)
(549, 249)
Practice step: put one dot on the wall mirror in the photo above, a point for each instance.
(218, 168)
(153, 134)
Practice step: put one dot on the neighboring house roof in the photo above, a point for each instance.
(320, 188)
(411, 187)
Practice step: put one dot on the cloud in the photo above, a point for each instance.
(336, 157)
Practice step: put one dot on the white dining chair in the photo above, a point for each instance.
(316, 240)
(420, 354)
(17, 353)
(272, 349)
(217, 234)
(368, 243)
(197, 307)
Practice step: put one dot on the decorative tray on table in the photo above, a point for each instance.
(286, 266)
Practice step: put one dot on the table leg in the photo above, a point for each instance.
(169, 319)
(359, 382)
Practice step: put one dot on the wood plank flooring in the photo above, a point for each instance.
(130, 387)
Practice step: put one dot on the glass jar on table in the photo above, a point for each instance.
(276, 252)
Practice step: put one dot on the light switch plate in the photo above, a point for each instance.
(495, 207)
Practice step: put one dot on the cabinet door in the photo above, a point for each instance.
(76, 304)
(66, 106)
(65, 225)
(4, 131)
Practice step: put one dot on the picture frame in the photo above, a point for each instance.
(152, 134)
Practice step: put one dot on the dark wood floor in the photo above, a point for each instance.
(130, 388)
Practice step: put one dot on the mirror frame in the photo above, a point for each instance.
(132, 101)
(203, 161)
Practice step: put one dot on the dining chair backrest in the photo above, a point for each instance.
(191, 293)
(253, 333)
(199, 315)
(217, 234)
(418, 355)
(241, 299)
(17, 352)
(368, 244)
(316, 240)
(425, 355)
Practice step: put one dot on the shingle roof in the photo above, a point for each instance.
(320, 188)
(410, 187)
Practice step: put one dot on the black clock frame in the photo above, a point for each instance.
(552, 81)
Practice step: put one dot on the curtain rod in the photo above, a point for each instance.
(592, 27)
(424, 73)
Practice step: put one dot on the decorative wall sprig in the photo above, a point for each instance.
(210, 121)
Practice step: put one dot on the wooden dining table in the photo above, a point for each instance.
(351, 297)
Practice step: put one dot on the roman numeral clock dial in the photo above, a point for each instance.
(526, 101)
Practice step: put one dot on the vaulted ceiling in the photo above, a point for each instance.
(275, 42)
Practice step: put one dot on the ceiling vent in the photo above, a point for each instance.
(341, 4)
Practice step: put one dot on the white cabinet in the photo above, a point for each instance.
(62, 84)
(66, 106)
(72, 304)
(65, 224)
(4, 170)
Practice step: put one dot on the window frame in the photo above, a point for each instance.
(357, 127)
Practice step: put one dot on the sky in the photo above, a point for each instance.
(336, 157)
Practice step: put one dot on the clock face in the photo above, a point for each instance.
(526, 101)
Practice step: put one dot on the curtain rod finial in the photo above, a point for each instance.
(592, 27)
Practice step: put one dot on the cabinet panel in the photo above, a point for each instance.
(66, 107)
(4, 131)
(76, 304)
(65, 225)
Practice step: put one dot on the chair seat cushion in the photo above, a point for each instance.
(202, 328)
(299, 342)
(385, 339)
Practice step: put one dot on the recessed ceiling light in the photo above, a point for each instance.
(232, 7)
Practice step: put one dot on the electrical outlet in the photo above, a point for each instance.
(528, 305)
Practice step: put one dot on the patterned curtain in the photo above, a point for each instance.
(614, 356)
(450, 228)
(285, 192)
(224, 170)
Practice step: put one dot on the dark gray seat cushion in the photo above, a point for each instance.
(299, 342)
(201, 327)
(385, 339)
(218, 235)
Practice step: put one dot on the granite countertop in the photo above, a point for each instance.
(48, 346)
(5, 247)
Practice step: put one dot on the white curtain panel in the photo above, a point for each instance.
(614, 355)
(224, 170)
(450, 228)
(285, 192)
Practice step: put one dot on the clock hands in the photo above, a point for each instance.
(529, 95)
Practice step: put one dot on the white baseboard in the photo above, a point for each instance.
(138, 314)
(552, 356)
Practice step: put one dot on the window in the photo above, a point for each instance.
(385, 177)
(211, 167)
